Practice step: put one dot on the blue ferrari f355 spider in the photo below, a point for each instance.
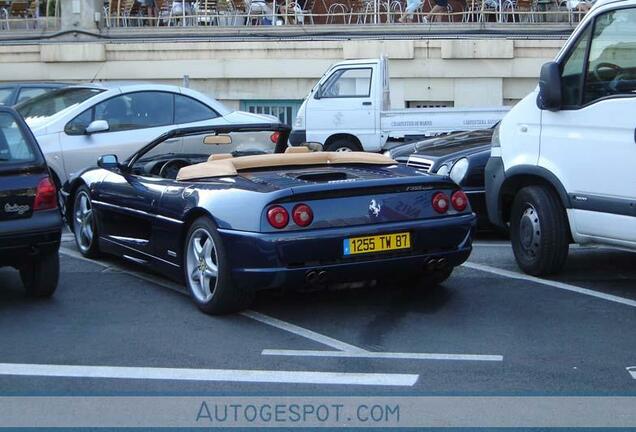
(229, 225)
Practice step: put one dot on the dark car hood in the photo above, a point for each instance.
(461, 143)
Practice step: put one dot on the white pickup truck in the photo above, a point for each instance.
(349, 109)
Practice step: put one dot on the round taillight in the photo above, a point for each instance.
(274, 137)
(277, 217)
(302, 215)
(440, 202)
(459, 201)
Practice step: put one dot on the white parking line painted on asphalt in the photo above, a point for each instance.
(382, 355)
(300, 331)
(632, 371)
(554, 284)
(116, 268)
(230, 375)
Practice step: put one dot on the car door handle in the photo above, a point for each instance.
(366, 103)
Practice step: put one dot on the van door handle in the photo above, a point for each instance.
(366, 103)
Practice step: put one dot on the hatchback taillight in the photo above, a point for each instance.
(440, 202)
(277, 217)
(45, 196)
(459, 200)
(302, 215)
(274, 137)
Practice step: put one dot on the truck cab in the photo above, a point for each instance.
(342, 111)
(349, 109)
(562, 161)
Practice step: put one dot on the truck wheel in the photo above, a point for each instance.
(40, 276)
(342, 145)
(538, 231)
(207, 271)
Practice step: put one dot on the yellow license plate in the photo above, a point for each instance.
(378, 243)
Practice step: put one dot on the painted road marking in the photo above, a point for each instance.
(632, 371)
(230, 375)
(554, 284)
(383, 355)
(300, 331)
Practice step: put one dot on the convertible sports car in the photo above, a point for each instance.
(228, 226)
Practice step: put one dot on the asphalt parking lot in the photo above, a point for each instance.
(112, 327)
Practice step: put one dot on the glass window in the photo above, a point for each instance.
(14, 148)
(136, 111)
(611, 68)
(31, 92)
(78, 125)
(572, 73)
(188, 110)
(348, 83)
(39, 109)
(6, 96)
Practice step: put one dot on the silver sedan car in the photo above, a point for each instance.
(75, 125)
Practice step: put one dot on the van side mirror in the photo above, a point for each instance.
(97, 126)
(108, 162)
(549, 97)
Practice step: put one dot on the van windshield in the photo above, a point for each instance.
(38, 110)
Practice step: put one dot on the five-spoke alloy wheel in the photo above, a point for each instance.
(84, 226)
(207, 271)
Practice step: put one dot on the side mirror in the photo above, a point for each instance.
(97, 126)
(549, 97)
(108, 162)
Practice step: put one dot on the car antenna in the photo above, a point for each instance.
(97, 73)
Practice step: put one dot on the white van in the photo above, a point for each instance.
(563, 162)
(349, 109)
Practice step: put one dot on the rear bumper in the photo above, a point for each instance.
(272, 260)
(23, 238)
(297, 137)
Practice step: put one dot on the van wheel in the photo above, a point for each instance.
(539, 231)
(342, 145)
(40, 276)
(207, 271)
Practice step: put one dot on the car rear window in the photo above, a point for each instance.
(39, 109)
(14, 146)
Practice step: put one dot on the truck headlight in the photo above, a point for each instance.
(443, 170)
(459, 170)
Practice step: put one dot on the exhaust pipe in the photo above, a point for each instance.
(322, 277)
(436, 264)
(312, 277)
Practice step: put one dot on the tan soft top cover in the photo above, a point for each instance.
(222, 165)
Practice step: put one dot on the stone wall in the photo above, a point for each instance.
(462, 72)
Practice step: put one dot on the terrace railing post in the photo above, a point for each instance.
(81, 14)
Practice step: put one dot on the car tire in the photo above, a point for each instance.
(342, 145)
(539, 231)
(84, 224)
(207, 271)
(40, 276)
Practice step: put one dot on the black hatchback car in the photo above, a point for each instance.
(30, 221)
